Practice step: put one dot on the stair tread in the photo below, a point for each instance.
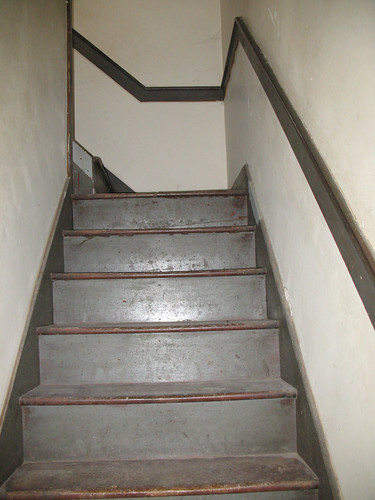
(132, 232)
(150, 327)
(132, 478)
(163, 274)
(161, 194)
(158, 392)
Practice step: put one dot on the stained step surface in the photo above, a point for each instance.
(156, 353)
(158, 327)
(160, 210)
(200, 476)
(225, 390)
(197, 296)
(159, 250)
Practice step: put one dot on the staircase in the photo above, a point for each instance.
(160, 375)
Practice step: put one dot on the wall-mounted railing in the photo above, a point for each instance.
(346, 233)
(136, 88)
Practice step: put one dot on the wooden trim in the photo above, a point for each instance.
(253, 271)
(69, 87)
(136, 88)
(345, 230)
(185, 326)
(160, 194)
(230, 56)
(92, 233)
(219, 392)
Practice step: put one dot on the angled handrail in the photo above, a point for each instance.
(350, 241)
(136, 88)
(352, 244)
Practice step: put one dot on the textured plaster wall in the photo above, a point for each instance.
(322, 53)
(153, 146)
(33, 156)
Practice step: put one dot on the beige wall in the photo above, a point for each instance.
(153, 146)
(159, 42)
(33, 156)
(322, 53)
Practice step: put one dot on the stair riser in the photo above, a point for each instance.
(148, 431)
(151, 357)
(176, 212)
(160, 299)
(156, 252)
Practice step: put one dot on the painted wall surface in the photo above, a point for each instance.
(161, 43)
(152, 146)
(33, 156)
(310, 45)
(323, 53)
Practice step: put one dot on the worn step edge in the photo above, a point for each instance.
(160, 194)
(133, 232)
(157, 392)
(163, 274)
(183, 326)
(134, 478)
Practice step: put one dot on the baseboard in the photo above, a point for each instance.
(26, 373)
(311, 442)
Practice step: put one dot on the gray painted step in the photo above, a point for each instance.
(159, 430)
(158, 356)
(196, 296)
(155, 250)
(166, 392)
(160, 210)
(217, 477)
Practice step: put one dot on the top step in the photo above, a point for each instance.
(181, 209)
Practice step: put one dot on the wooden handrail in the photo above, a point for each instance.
(136, 88)
(352, 244)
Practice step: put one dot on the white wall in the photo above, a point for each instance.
(33, 156)
(162, 42)
(323, 53)
(153, 146)
(312, 46)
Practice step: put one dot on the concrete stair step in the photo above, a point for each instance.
(100, 354)
(269, 477)
(160, 210)
(146, 250)
(237, 294)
